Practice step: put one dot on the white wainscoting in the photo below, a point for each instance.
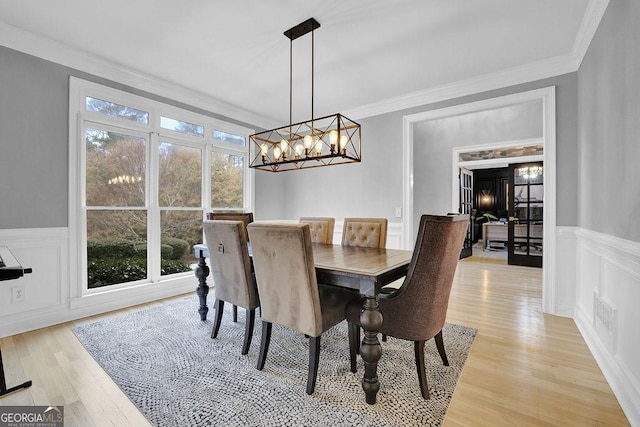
(47, 290)
(607, 311)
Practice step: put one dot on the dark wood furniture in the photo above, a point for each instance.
(10, 269)
(364, 269)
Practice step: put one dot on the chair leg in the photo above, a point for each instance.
(248, 330)
(218, 306)
(353, 345)
(357, 338)
(384, 338)
(264, 344)
(422, 376)
(235, 313)
(440, 346)
(314, 359)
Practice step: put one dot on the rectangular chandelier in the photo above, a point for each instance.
(324, 141)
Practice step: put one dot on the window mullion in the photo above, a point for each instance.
(206, 176)
(153, 210)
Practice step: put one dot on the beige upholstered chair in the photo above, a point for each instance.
(365, 232)
(246, 219)
(231, 270)
(289, 293)
(418, 309)
(321, 228)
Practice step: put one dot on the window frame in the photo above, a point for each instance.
(80, 119)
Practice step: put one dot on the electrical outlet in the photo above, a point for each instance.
(17, 294)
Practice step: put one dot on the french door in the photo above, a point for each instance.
(466, 205)
(526, 190)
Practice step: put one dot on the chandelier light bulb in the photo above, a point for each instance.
(344, 140)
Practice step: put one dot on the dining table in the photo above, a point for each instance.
(366, 270)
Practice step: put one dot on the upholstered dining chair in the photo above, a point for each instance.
(289, 293)
(321, 228)
(231, 270)
(418, 309)
(245, 217)
(365, 232)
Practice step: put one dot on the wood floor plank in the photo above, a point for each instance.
(525, 368)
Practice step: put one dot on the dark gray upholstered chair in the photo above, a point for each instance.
(289, 293)
(321, 228)
(365, 232)
(246, 219)
(231, 270)
(418, 309)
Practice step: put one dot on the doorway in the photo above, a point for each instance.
(547, 119)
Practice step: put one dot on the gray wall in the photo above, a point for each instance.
(34, 148)
(609, 91)
(34, 138)
(374, 187)
(434, 141)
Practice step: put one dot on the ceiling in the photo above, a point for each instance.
(366, 51)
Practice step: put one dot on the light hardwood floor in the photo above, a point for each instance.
(525, 367)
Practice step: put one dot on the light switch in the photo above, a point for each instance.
(398, 212)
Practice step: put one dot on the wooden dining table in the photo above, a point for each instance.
(364, 269)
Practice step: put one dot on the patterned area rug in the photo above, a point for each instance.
(164, 360)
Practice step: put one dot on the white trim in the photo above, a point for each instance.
(490, 163)
(501, 79)
(590, 22)
(547, 95)
(610, 267)
(50, 50)
(79, 119)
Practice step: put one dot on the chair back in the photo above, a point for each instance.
(321, 228)
(230, 263)
(365, 232)
(286, 276)
(246, 218)
(417, 311)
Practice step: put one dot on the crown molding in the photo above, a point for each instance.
(32, 44)
(590, 22)
(518, 75)
(509, 77)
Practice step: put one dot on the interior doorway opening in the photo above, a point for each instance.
(547, 119)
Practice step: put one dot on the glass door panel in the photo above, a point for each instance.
(525, 214)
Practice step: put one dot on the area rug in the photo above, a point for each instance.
(164, 360)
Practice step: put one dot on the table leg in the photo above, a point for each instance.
(202, 271)
(371, 350)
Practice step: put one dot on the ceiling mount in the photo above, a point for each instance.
(302, 29)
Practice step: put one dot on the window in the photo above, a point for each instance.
(116, 110)
(147, 176)
(181, 126)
